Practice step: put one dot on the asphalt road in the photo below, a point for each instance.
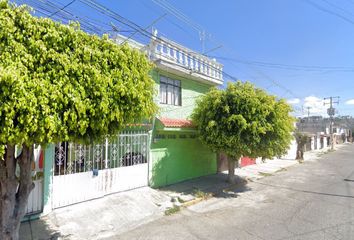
(314, 200)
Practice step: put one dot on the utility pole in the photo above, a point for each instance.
(202, 36)
(331, 113)
(308, 126)
(308, 113)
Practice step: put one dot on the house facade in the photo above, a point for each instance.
(163, 151)
(181, 76)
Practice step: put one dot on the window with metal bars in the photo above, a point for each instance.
(170, 91)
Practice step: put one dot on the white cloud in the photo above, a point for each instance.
(293, 101)
(316, 106)
(350, 102)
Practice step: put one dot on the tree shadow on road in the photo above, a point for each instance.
(39, 229)
(215, 185)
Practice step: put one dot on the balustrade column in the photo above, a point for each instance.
(217, 71)
(185, 59)
(180, 57)
(174, 54)
(161, 48)
(168, 50)
(196, 64)
(192, 59)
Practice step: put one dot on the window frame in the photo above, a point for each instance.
(169, 89)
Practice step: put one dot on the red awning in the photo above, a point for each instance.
(176, 123)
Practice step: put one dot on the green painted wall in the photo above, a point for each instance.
(49, 155)
(191, 89)
(175, 160)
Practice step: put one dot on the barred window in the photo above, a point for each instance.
(170, 91)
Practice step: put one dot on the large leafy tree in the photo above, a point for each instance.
(243, 120)
(58, 83)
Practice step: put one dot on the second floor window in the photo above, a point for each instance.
(170, 91)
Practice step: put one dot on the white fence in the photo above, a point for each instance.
(84, 172)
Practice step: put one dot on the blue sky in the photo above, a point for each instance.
(301, 50)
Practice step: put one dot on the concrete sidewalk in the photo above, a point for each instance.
(216, 185)
(121, 212)
(99, 218)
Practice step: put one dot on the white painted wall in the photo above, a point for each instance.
(291, 154)
(312, 143)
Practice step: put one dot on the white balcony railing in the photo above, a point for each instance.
(174, 53)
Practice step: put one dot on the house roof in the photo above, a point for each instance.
(176, 123)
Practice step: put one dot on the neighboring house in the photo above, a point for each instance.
(157, 153)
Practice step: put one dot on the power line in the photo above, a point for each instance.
(323, 9)
(150, 25)
(338, 7)
(287, 66)
(61, 9)
(180, 15)
(46, 8)
(274, 82)
(169, 20)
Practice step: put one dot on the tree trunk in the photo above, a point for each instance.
(300, 152)
(14, 190)
(232, 164)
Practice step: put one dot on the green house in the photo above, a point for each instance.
(181, 76)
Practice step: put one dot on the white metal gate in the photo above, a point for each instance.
(84, 172)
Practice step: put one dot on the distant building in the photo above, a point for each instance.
(313, 124)
(318, 128)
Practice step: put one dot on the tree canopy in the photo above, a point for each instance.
(60, 83)
(243, 120)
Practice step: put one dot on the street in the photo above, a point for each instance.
(313, 200)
